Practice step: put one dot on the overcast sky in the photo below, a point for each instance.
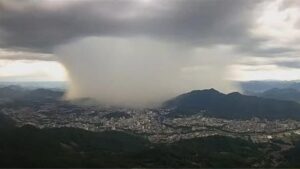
(260, 38)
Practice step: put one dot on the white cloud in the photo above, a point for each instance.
(24, 70)
(278, 25)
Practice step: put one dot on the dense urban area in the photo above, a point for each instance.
(152, 123)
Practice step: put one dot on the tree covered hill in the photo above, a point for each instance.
(68, 147)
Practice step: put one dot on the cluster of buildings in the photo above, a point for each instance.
(150, 123)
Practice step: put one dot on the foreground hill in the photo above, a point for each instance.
(6, 122)
(29, 147)
(231, 106)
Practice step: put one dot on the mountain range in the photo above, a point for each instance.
(262, 86)
(271, 104)
(289, 94)
(14, 93)
(231, 106)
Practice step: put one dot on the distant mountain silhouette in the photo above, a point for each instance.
(15, 96)
(282, 94)
(44, 94)
(12, 91)
(16, 92)
(262, 86)
(231, 106)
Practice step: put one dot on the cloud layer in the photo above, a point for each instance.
(194, 42)
(42, 26)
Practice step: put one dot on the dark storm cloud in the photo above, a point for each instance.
(36, 26)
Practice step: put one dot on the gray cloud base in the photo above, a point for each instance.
(194, 22)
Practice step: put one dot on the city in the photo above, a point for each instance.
(151, 123)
